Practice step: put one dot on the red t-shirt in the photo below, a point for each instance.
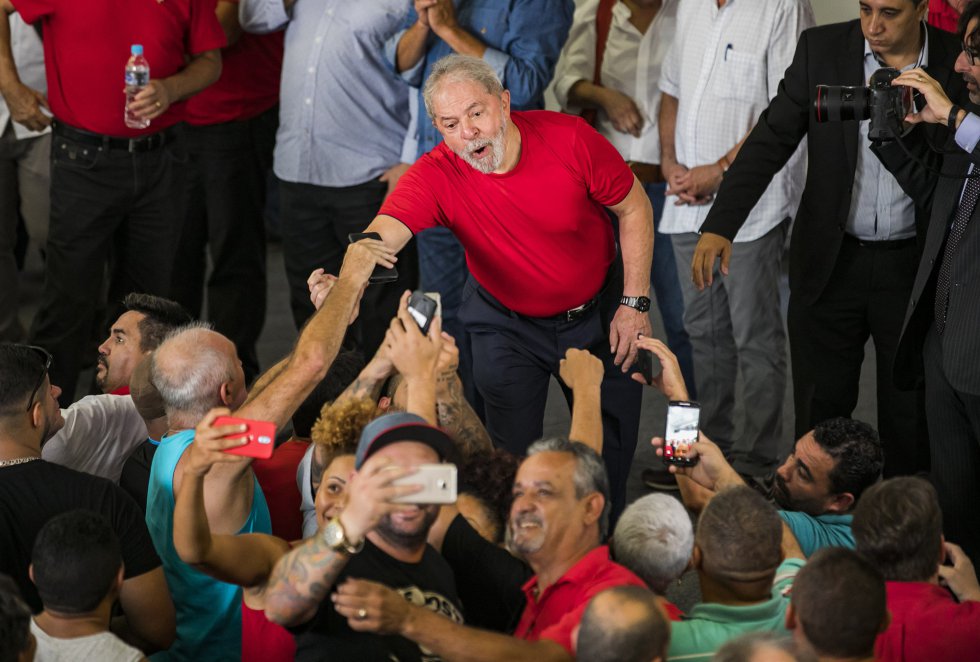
(555, 613)
(538, 237)
(927, 624)
(249, 83)
(263, 640)
(87, 44)
(943, 16)
(277, 478)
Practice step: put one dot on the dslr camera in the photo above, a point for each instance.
(886, 105)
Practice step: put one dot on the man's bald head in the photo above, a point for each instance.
(623, 624)
(196, 369)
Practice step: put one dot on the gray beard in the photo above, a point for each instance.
(497, 143)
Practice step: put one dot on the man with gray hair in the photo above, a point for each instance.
(654, 538)
(558, 520)
(546, 274)
(623, 624)
(197, 369)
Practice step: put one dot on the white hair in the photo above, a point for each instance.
(456, 68)
(654, 538)
(188, 371)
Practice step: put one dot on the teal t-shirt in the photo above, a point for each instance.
(209, 612)
(708, 626)
(815, 533)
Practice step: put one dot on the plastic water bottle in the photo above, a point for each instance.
(137, 77)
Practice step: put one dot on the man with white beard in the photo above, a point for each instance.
(526, 194)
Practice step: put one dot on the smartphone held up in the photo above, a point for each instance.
(260, 435)
(681, 434)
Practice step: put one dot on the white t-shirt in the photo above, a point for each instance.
(100, 433)
(104, 647)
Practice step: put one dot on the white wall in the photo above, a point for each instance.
(834, 11)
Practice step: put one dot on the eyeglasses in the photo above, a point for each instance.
(46, 359)
(971, 53)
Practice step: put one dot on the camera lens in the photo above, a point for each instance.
(840, 103)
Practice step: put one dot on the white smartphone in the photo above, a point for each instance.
(438, 481)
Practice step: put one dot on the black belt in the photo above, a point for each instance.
(575, 313)
(141, 144)
(890, 245)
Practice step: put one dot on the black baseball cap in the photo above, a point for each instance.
(402, 426)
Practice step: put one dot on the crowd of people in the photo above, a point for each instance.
(402, 145)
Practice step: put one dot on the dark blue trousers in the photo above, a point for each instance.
(514, 358)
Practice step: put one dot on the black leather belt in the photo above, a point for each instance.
(141, 144)
(575, 313)
(890, 245)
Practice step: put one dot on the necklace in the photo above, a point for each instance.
(19, 460)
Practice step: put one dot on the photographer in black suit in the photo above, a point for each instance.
(940, 338)
(857, 235)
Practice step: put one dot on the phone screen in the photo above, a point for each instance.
(681, 432)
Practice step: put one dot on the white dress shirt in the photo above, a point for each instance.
(724, 68)
(29, 58)
(630, 64)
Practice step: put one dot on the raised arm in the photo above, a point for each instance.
(302, 579)
(582, 373)
(456, 416)
(245, 560)
(320, 339)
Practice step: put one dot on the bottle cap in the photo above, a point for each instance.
(136, 49)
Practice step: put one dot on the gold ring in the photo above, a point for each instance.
(159, 105)
(361, 614)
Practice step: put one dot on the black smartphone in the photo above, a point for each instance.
(683, 418)
(422, 308)
(380, 274)
(647, 365)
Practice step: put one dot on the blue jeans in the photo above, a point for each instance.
(667, 290)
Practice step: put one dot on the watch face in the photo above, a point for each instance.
(643, 304)
(333, 534)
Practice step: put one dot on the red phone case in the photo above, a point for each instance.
(261, 437)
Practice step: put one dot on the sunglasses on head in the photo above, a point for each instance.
(46, 359)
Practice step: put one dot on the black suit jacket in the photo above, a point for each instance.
(826, 55)
(941, 195)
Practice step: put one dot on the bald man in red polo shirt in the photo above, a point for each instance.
(526, 194)
(113, 188)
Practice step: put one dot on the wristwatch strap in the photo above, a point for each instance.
(951, 120)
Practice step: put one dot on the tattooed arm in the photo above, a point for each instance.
(456, 416)
(303, 577)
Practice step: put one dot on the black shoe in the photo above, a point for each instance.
(659, 478)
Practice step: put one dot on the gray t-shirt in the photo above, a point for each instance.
(105, 647)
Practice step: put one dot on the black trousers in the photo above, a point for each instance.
(315, 223)
(514, 358)
(867, 296)
(105, 202)
(954, 430)
(224, 196)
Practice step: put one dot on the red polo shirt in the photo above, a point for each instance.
(249, 83)
(555, 613)
(538, 237)
(87, 43)
(928, 624)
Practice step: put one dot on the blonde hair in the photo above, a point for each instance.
(338, 429)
